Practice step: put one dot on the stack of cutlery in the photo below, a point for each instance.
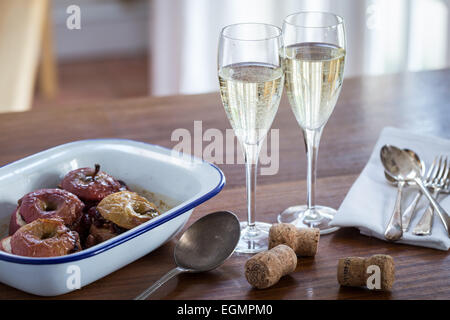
(404, 168)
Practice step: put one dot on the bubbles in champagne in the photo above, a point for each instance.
(251, 94)
(314, 73)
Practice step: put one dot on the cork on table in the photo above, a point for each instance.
(416, 101)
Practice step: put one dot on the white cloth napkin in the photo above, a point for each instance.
(369, 204)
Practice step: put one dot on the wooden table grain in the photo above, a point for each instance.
(417, 101)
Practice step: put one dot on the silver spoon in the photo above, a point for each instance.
(204, 246)
(394, 228)
(402, 167)
(409, 211)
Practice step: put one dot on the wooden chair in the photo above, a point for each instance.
(25, 37)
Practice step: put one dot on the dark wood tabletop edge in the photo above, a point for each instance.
(142, 101)
(163, 101)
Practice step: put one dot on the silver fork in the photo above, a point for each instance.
(425, 223)
(411, 209)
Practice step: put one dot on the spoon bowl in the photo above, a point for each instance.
(399, 164)
(419, 162)
(208, 242)
(204, 246)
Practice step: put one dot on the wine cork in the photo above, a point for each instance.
(266, 268)
(303, 241)
(354, 271)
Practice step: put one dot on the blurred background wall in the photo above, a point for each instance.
(129, 48)
(383, 36)
(108, 27)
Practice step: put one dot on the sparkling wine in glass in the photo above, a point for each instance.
(313, 56)
(251, 82)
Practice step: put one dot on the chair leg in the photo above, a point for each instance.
(48, 77)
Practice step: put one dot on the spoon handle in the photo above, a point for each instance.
(394, 229)
(409, 211)
(169, 275)
(445, 218)
(425, 224)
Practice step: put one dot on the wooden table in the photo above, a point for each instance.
(419, 101)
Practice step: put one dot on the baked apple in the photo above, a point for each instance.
(5, 244)
(50, 203)
(44, 238)
(90, 184)
(16, 222)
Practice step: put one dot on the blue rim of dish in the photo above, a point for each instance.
(115, 242)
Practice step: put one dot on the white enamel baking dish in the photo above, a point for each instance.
(185, 180)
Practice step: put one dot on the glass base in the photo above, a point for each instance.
(297, 215)
(253, 239)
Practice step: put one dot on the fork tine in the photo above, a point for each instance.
(432, 169)
(445, 174)
(447, 182)
(441, 169)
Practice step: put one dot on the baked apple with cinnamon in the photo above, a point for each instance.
(127, 209)
(90, 184)
(118, 213)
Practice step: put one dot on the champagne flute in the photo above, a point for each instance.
(251, 83)
(313, 56)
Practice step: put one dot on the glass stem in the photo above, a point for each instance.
(251, 171)
(312, 140)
